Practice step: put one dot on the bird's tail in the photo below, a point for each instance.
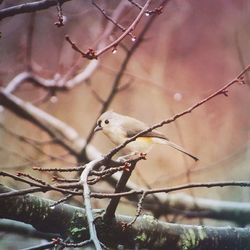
(175, 146)
(179, 148)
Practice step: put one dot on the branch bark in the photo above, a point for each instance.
(146, 231)
(121, 185)
(15, 227)
(28, 7)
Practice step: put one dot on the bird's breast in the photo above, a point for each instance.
(141, 144)
(116, 135)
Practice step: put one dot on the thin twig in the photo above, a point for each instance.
(31, 178)
(240, 55)
(59, 241)
(60, 21)
(38, 186)
(28, 7)
(221, 91)
(138, 211)
(69, 169)
(30, 36)
(175, 188)
(58, 179)
(111, 19)
(129, 29)
(92, 54)
(35, 144)
(67, 197)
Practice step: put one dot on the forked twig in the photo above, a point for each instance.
(221, 91)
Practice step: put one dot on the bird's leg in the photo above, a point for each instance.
(127, 157)
(122, 159)
(143, 155)
(132, 156)
(127, 166)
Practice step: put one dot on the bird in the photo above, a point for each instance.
(119, 128)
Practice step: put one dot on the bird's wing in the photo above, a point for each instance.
(139, 126)
(155, 134)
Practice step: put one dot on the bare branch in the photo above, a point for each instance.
(128, 30)
(159, 235)
(183, 204)
(28, 7)
(60, 21)
(111, 19)
(110, 211)
(139, 209)
(86, 197)
(221, 91)
(175, 188)
(40, 185)
(92, 54)
(54, 84)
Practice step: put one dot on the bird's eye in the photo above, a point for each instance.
(106, 121)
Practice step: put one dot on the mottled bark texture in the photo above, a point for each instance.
(28, 7)
(146, 231)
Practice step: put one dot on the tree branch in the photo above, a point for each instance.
(110, 211)
(190, 207)
(26, 230)
(87, 203)
(221, 91)
(175, 188)
(146, 231)
(92, 54)
(28, 7)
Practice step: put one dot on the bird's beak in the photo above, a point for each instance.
(97, 128)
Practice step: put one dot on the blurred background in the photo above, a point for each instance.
(192, 49)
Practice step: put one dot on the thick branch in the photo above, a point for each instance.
(146, 231)
(26, 230)
(28, 7)
(121, 185)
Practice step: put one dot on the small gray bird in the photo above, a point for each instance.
(118, 128)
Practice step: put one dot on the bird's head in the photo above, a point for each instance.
(106, 121)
